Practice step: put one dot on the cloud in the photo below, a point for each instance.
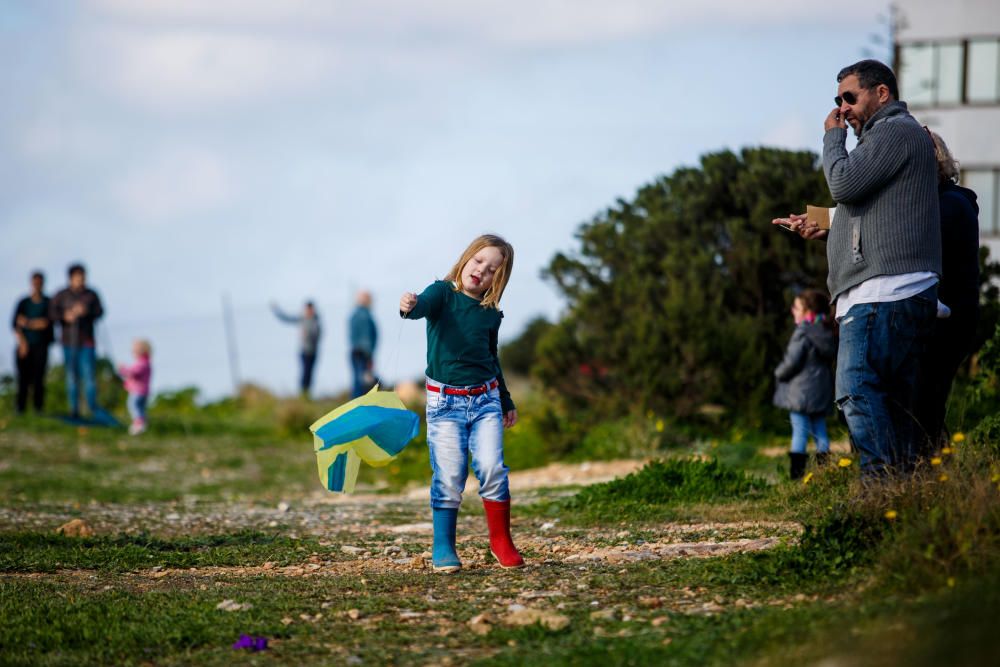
(178, 69)
(54, 135)
(540, 22)
(177, 55)
(179, 182)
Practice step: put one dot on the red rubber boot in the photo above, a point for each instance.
(501, 545)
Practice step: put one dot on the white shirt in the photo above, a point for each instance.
(881, 289)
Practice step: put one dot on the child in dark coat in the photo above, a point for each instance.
(805, 378)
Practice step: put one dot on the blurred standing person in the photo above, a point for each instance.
(34, 333)
(363, 336)
(954, 335)
(76, 308)
(137, 379)
(805, 378)
(309, 333)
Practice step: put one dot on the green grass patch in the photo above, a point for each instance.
(650, 492)
(40, 552)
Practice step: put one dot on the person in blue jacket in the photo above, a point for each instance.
(363, 337)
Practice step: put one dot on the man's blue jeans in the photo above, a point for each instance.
(460, 427)
(361, 372)
(81, 365)
(877, 371)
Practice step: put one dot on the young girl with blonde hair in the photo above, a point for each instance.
(137, 379)
(468, 404)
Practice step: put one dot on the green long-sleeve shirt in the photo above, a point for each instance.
(461, 338)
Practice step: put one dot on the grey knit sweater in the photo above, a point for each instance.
(888, 218)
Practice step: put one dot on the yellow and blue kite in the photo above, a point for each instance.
(373, 428)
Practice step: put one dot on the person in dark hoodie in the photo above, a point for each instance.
(953, 338)
(805, 378)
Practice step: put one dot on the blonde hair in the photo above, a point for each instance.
(947, 165)
(143, 346)
(491, 298)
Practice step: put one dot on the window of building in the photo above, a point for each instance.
(917, 77)
(984, 71)
(986, 184)
(950, 73)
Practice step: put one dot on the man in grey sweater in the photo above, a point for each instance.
(884, 255)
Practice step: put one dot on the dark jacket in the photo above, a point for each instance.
(80, 332)
(805, 376)
(959, 288)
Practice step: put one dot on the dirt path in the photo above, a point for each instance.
(379, 533)
(836, 447)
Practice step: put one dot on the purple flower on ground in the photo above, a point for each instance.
(253, 643)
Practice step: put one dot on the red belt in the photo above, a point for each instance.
(464, 391)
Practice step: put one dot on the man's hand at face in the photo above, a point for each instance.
(834, 119)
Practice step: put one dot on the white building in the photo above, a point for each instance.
(948, 66)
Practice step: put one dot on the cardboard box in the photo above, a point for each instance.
(819, 215)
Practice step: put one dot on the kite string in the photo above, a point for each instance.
(395, 353)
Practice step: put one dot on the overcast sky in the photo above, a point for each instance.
(284, 150)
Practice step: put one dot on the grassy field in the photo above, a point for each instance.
(199, 533)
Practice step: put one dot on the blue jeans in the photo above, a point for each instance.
(361, 370)
(460, 426)
(81, 364)
(137, 407)
(877, 367)
(803, 426)
(308, 363)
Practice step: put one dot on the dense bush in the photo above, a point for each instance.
(519, 355)
(679, 297)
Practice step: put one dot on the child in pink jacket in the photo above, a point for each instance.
(137, 377)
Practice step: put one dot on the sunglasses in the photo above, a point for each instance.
(848, 97)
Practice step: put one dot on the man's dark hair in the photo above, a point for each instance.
(871, 73)
(37, 274)
(310, 304)
(75, 268)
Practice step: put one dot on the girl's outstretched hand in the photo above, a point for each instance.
(407, 302)
(509, 419)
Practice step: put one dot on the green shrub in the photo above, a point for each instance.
(678, 296)
(294, 416)
(671, 481)
(180, 401)
(841, 541)
(621, 438)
